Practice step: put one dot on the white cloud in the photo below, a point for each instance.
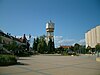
(82, 42)
(18, 36)
(66, 41)
(59, 40)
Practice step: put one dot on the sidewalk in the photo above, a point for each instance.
(53, 65)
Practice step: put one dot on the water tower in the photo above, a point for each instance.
(50, 31)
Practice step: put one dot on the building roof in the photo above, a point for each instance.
(65, 46)
(1, 31)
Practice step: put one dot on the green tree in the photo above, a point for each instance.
(0, 39)
(40, 45)
(76, 47)
(39, 48)
(11, 46)
(35, 44)
(82, 49)
(88, 49)
(97, 47)
(45, 47)
(51, 48)
(71, 48)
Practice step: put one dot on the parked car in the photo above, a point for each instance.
(71, 52)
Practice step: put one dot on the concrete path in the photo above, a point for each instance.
(54, 65)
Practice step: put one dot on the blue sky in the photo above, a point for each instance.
(72, 18)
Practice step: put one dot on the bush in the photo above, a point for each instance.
(69, 54)
(23, 54)
(30, 53)
(7, 60)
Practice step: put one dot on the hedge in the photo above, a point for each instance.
(6, 60)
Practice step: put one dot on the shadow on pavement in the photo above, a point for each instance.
(19, 63)
(23, 59)
(51, 54)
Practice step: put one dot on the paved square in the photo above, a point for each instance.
(54, 65)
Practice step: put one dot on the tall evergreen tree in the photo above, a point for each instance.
(51, 46)
(35, 45)
(41, 46)
(24, 39)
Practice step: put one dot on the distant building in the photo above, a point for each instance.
(50, 31)
(8, 39)
(65, 47)
(92, 37)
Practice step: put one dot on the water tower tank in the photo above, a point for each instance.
(50, 26)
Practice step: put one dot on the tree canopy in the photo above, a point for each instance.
(41, 46)
(97, 47)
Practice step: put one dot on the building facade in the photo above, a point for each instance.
(92, 37)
